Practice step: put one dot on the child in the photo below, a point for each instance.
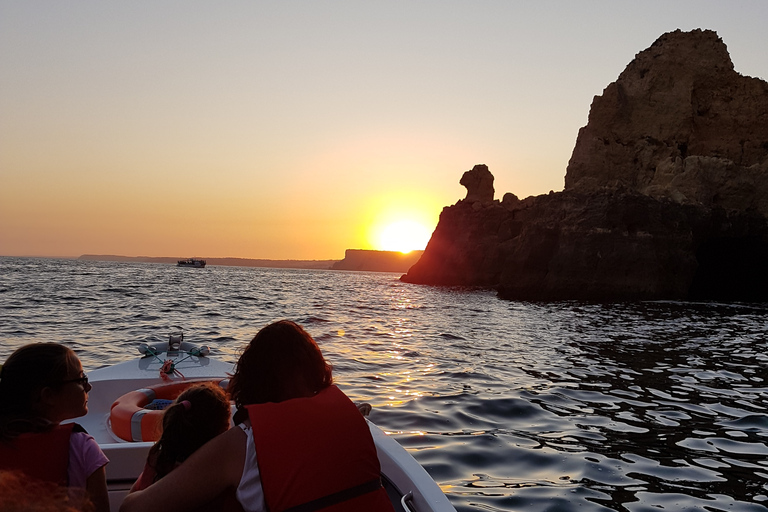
(41, 385)
(199, 414)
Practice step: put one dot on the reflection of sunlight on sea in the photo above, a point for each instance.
(508, 405)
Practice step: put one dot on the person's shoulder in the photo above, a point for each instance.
(77, 432)
(81, 439)
(234, 435)
(232, 439)
(84, 443)
(78, 428)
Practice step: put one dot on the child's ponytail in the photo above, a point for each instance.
(199, 414)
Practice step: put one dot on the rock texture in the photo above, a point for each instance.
(666, 195)
(679, 124)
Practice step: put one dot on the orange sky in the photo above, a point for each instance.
(296, 130)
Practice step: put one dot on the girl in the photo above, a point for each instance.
(198, 414)
(42, 385)
(300, 442)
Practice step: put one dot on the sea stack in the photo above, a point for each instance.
(666, 195)
(679, 124)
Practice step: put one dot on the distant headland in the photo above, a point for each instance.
(666, 195)
(377, 261)
(355, 259)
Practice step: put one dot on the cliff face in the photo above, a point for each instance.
(465, 248)
(679, 124)
(622, 245)
(666, 195)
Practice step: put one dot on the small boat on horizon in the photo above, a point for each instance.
(191, 262)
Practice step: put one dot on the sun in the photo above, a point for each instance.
(399, 220)
(403, 236)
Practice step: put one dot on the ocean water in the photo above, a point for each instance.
(510, 406)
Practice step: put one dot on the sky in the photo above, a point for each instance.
(296, 130)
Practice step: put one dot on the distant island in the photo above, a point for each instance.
(355, 259)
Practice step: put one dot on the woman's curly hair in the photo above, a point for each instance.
(281, 362)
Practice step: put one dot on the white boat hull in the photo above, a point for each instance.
(404, 478)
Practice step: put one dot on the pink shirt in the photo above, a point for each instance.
(85, 457)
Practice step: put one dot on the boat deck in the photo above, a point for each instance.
(404, 479)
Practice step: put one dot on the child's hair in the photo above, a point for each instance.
(22, 378)
(199, 414)
(20, 493)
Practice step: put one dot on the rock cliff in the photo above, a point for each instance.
(666, 195)
(679, 124)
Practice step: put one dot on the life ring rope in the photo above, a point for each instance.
(169, 365)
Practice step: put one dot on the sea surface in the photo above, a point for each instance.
(510, 406)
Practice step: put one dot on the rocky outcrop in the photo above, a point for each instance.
(679, 124)
(621, 245)
(479, 183)
(666, 195)
(465, 248)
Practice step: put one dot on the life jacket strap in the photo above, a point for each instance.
(337, 497)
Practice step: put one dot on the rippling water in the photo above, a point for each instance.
(510, 406)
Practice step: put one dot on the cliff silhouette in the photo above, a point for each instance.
(377, 261)
(666, 195)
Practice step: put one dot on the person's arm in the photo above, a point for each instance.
(141, 482)
(96, 487)
(364, 408)
(148, 474)
(208, 472)
(88, 468)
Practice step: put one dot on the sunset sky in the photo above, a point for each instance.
(296, 130)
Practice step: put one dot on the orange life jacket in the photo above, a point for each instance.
(317, 454)
(41, 456)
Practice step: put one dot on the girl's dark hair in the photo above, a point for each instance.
(22, 378)
(281, 362)
(185, 429)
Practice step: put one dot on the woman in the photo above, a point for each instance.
(300, 441)
(41, 385)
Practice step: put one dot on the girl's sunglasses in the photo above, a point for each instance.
(83, 381)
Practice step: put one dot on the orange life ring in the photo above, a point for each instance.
(129, 419)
